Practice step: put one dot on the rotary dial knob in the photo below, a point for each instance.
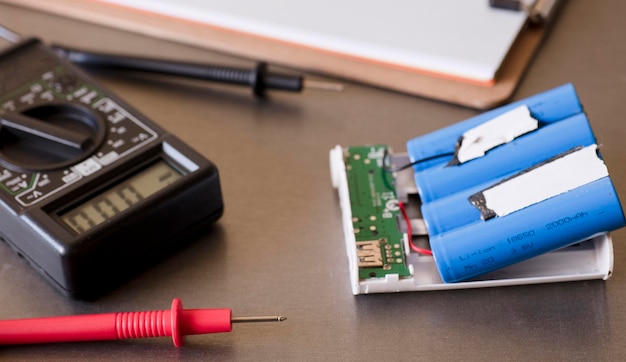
(48, 137)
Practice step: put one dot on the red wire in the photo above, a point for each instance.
(409, 232)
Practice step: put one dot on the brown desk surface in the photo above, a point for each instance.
(278, 248)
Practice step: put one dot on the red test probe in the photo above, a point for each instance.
(176, 322)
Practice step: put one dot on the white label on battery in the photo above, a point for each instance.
(502, 129)
(550, 179)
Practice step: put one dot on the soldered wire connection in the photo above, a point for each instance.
(401, 205)
(387, 168)
(409, 231)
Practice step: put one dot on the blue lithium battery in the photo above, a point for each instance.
(549, 206)
(528, 150)
(483, 246)
(443, 189)
(550, 106)
(562, 126)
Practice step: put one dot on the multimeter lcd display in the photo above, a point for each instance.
(113, 201)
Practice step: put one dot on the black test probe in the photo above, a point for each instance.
(258, 78)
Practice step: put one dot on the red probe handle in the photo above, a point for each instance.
(176, 322)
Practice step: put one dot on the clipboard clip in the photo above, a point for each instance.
(539, 11)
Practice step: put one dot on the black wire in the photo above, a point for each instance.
(411, 164)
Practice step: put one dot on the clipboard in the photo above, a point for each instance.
(439, 85)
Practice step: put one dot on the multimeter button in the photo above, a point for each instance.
(70, 177)
(64, 83)
(87, 167)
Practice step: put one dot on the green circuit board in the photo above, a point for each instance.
(379, 242)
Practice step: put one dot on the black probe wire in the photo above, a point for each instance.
(257, 78)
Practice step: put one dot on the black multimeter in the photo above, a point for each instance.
(91, 191)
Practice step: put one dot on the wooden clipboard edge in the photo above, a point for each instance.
(306, 59)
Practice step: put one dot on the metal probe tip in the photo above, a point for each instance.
(312, 84)
(273, 318)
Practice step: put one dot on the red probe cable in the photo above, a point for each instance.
(409, 232)
(176, 322)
